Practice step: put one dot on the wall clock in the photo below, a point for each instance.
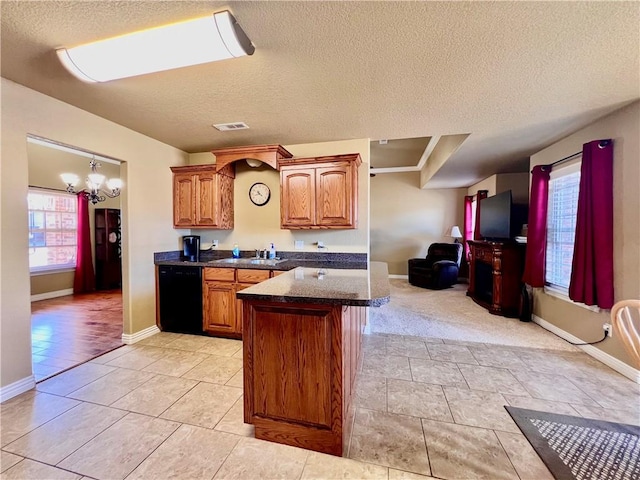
(259, 193)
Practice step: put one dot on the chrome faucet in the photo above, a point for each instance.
(257, 253)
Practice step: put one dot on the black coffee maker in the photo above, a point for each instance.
(191, 247)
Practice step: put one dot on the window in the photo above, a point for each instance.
(52, 230)
(564, 186)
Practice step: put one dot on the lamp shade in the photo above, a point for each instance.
(114, 183)
(192, 42)
(455, 232)
(94, 181)
(70, 178)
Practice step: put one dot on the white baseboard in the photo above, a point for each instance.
(405, 277)
(129, 339)
(16, 388)
(618, 365)
(47, 295)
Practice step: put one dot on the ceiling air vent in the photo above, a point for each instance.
(228, 127)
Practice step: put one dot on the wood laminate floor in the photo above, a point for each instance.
(67, 331)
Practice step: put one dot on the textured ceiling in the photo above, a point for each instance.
(516, 76)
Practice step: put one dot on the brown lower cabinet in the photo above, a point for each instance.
(300, 364)
(222, 313)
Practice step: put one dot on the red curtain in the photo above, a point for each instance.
(84, 279)
(534, 266)
(467, 232)
(592, 270)
(481, 195)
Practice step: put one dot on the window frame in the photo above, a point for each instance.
(571, 168)
(552, 289)
(59, 268)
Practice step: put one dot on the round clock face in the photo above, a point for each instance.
(259, 194)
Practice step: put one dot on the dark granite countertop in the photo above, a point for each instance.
(356, 287)
(326, 278)
(291, 260)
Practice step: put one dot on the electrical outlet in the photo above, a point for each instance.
(608, 329)
(299, 244)
(214, 243)
(320, 244)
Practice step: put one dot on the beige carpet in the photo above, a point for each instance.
(450, 314)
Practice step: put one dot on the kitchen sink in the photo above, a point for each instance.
(249, 261)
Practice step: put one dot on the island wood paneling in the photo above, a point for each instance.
(300, 362)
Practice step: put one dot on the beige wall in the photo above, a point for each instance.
(489, 184)
(45, 166)
(518, 183)
(405, 219)
(147, 215)
(256, 227)
(51, 282)
(623, 127)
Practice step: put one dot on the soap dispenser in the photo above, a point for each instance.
(236, 251)
(272, 252)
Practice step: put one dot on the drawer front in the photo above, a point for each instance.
(483, 255)
(220, 274)
(252, 276)
(275, 273)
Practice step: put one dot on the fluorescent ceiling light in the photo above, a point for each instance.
(201, 40)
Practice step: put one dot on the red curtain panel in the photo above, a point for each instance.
(537, 231)
(592, 270)
(467, 230)
(84, 279)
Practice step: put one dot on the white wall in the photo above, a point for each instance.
(146, 211)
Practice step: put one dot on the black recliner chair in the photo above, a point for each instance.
(440, 269)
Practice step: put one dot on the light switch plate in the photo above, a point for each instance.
(299, 244)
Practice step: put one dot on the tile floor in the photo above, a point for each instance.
(67, 331)
(171, 407)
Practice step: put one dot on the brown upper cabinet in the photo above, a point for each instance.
(319, 192)
(202, 197)
(269, 154)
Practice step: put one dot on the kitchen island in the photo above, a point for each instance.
(302, 335)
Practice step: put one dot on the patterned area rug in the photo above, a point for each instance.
(581, 448)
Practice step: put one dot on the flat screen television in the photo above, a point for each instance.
(496, 217)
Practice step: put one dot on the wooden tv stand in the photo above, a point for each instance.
(495, 276)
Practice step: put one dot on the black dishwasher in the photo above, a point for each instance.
(180, 298)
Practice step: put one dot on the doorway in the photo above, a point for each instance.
(68, 329)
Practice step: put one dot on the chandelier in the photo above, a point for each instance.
(94, 193)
